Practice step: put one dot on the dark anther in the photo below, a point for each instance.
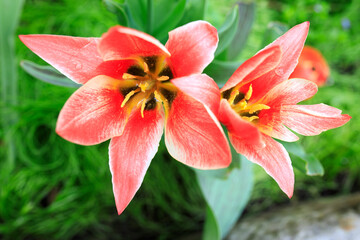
(151, 104)
(169, 95)
(151, 62)
(125, 91)
(313, 68)
(238, 98)
(136, 71)
(226, 94)
(166, 72)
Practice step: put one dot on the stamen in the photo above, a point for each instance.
(233, 96)
(249, 93)
(163, 78)
(126, 76)
(258, 107)
(162, 99)
(250, 119)
(241, 105)
(146, 67)
(143, 107)
(144, 86)
(128, 96)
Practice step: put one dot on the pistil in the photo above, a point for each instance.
(247, 111)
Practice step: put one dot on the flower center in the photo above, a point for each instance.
(147, 83)
(241, 104)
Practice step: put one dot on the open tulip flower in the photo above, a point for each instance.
(133, 87)
(259, 103)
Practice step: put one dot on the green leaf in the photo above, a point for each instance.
(306, 163)
(119, 10)
(169, 17)
(221, 71)
(10, 11)
(273, 31)
(246, 12)
(228, 30)
(227, 197)
(47, 74)
(194, 10)
(139, 12)
(211, 228)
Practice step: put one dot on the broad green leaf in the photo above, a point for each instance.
(47, 74)
(245, 21)
(10, 11)
(306, 163)
(194, 10)
(170, 18)
(211, 227)
(228, 30)
(119, 10)
(227, 197)
(221, 71)
(139, 13)
(273, 31)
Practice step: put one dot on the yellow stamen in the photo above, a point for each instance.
(144, 86)
(233, 96)
(163, 78)
(249, 93)
(258, 107)
(163, 100)
(250, 119)
(128, 96)
(146, 67)
(126, 76)
(240, 105)
(143, 107)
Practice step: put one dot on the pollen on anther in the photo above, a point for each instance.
(163, 78)
(128, 76)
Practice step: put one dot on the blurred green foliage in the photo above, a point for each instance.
(59, 190)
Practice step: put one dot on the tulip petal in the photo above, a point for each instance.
(291, 43)
(239, 127)
(132, 152)
(290, 92)
(273, 158)
(311, 120)
(75, 57)
(93, 113)
(192, 47)
(258, 65)
(193, 135)
(202, 88)
(122, 42)
(270, 124)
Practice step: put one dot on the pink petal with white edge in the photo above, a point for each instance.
(192, 47)
(261, 63)
(291, 44)
(122, 42)
(132, 152)
(273, 158)
(75, 57)
(93, 114)
(193, 135)
(237, 126)
(270, 124)
(311, 120)
(289, 92)
(202, 88)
